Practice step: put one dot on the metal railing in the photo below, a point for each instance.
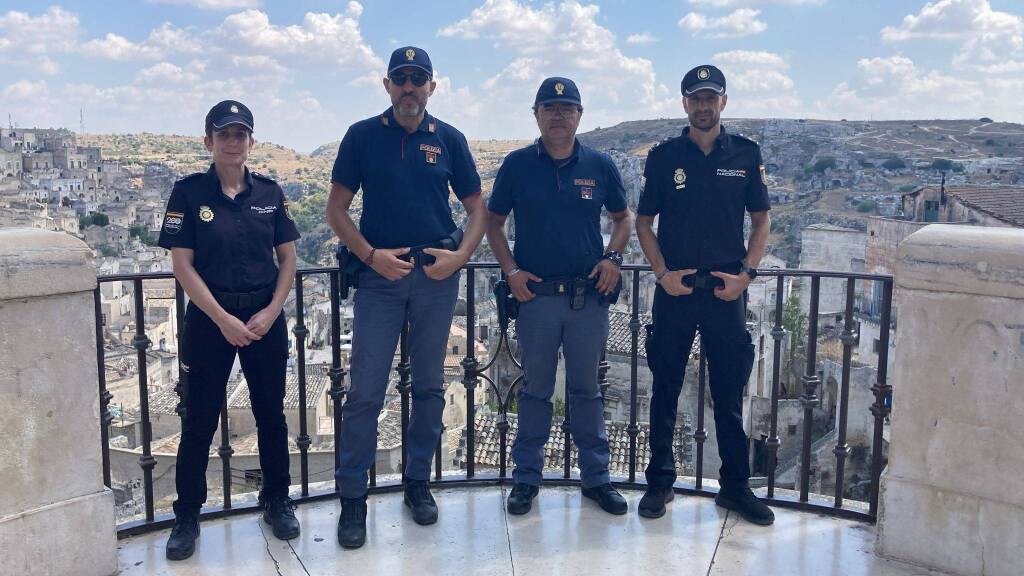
(474, 372)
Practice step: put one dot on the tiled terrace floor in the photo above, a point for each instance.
(564, 534)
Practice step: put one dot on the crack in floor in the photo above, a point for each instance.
(721, 536)
(301, 563)
(277, 565)
(508, 533)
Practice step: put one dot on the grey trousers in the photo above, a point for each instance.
(381, 308)
(546, 324)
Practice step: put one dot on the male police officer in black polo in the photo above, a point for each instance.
(563, 278)
(404, 160)
(701, 183)
(223, 228)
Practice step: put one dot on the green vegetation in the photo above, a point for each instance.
(93, 219)
(894, 164)
(942, 165)
(866, 206)
(907, 187)
(824, 163)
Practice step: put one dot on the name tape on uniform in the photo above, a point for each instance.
(732, 173)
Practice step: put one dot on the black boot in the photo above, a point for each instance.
(742, 500)
(352, 522)
(279, 513)
(608, 498)
(521, 498)
(652, 505)
(182, 542)
(419, 500)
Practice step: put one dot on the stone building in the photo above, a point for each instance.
(828, 247)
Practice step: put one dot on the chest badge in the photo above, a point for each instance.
(430, 153)
(587, 193)
(680, 179)
(206, 214)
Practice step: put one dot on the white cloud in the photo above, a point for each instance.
(166, 73)
(641, 38)
(25, 91)
(563, 39)
(211, 4)
(759, 84)
(321, 38)
(161, 43)
(895, 87)
(27, 41)
(734, 3)
(740, 22)
(991, 41)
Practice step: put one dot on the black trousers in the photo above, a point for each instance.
(730, 358)
(208, 358)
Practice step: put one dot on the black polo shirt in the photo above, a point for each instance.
(233, 240)
(405, 178)
(701, 199)
(557, 207)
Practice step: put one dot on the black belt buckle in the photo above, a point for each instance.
(578, 295)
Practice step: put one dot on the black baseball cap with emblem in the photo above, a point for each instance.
(558, 89)
(703, 77)
(410, 56)
(226, 113)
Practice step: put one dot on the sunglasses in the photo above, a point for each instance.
(418, 78)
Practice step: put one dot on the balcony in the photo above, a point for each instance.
(821, 457)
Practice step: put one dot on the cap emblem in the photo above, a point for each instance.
(205, 214)
(680, 179)
(410, 54)
(559, 88)
(234, 109)
(703, 74)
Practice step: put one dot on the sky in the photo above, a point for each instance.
(310, 69)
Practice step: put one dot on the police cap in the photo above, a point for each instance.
(703, 77)
(557, 89)
(410, 56)
(226, 113)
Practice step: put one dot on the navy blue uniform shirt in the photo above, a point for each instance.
(405, 178)
(557, 207)
(701, 199)
(233, 240)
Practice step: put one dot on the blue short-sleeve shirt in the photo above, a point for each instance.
(556, 207)
(405, 178)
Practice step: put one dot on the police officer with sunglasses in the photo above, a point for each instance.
(406, 162)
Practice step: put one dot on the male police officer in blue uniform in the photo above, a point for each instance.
(563, 278)
(701, 183)
(404, 161)
(223, 228)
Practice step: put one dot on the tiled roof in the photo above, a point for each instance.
(316, 382)
(487, 443)
(1002, 203)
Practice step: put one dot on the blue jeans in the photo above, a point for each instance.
(546, 324)
(381, 308)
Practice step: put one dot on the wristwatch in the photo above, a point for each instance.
(614, 256)
(751, 272)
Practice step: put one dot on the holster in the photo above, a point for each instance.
(506, 303)
(350, 266)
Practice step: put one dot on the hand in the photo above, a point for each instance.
(260, 322)
(607, 276)
(236, 332)
(734, 286)
(386, 263)
(517, 282)
(672, 282)
(447, 263)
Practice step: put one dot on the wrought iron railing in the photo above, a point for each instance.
(474, 371)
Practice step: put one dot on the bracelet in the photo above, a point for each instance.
(661, 274)
(513, 272)
(369, 259)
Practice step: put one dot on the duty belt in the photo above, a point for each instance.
(702, 281)
(238, 300)
(557, 287)
(417, 257)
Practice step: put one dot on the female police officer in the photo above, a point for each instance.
(223, 228)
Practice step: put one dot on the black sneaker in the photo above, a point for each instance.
(279, 512)
(352, 522)
(742, 500)
(608, 498)
(521, 498)
(652, 505)
(419, 500)
(182, 542)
